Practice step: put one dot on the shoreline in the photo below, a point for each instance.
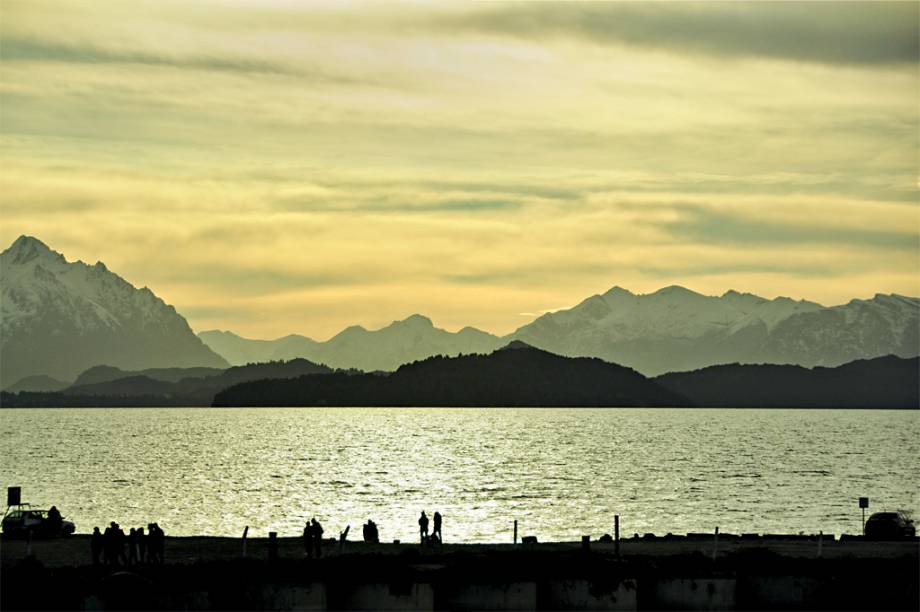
(74, 550)
(207, 573)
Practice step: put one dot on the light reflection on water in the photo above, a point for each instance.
(560, 472)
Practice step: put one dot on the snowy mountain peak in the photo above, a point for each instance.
(59, 318)
(617, 291)
(415, 321)
(28, 248)
(676, 291)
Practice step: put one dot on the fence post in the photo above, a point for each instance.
(515, 531)
(272, 545)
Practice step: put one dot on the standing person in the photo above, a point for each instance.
(132, 546)
(308, 540)
(151, 543)
(159, 543)
(423, 527)
(110, 544)
(55, 521)
(437, 527)
(120, 539)
(95, 545)
(141, 545)
(317, 538)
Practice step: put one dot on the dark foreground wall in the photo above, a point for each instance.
(517, 580)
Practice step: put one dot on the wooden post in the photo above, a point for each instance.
(515, 531)
(272, 545)
(715, 545)
(616, 534)
(245, 533)
(820, 542)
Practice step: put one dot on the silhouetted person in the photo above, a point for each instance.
(95, 545)
(308, 539)
(109, 543)
(370, 532)
(132, 546)
(55, 521)
(156, 542)
(151, 544)
(317, 538)
(141, 545)
(423, 527)
(437, 527)
(120, 539)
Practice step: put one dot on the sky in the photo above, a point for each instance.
(275, 167)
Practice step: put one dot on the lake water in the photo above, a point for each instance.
(560, 472)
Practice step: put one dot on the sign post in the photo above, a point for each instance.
(864, 503)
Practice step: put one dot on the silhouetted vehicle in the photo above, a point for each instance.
(22, 519)
(889, 526)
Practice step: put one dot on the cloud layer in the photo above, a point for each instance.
(274, 168)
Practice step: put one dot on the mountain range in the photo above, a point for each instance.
(672, 329)
(111, 386)
(519, 375)
(58, 318)
(514, 375)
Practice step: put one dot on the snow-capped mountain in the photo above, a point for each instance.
(400, 342)
(672, 329)
(58, 318)
(675, 329)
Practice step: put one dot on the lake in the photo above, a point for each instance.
(560, 472)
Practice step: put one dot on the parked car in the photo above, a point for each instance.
(889, 526)
(22, 519)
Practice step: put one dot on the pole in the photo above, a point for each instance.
(715, 545)
(272, 545)
(864, 522)
(616, 534)
(515, 531)
(245, 533)
(820, 542)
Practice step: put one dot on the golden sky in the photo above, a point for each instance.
(275, 167)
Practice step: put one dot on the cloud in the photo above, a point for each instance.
(860, 33)
(722, 227)
(19, 48)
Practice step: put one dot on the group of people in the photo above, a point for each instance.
(370, 532)
(313, 538)
(108, 547)
(435, 537)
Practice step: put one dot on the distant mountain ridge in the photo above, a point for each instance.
(675, 329)
(883, 382)
(387, 348)
(109, 386)
(672, 329)
(59, 318)
(517, 375)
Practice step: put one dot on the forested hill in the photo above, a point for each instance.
(517, 375)
(884, 382)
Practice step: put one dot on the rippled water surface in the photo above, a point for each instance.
(560, 472)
